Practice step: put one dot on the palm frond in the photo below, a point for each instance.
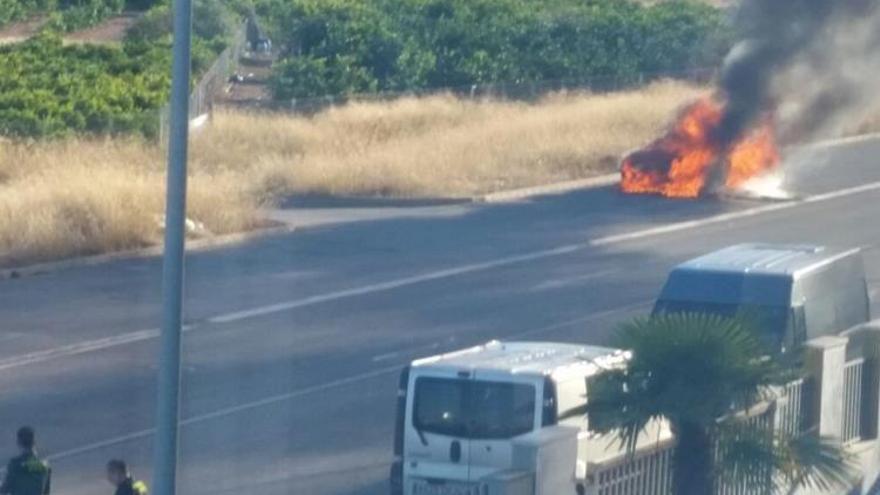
(746, 454)
(700, 369)
(810, 461)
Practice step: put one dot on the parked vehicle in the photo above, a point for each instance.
(793, 293)
(461, 415)
(507, 417)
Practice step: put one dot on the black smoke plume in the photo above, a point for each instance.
(789, 53)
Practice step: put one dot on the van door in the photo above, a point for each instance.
(437, 449)
(502, 408)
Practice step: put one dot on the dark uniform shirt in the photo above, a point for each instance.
(26, 475)
(131, 487)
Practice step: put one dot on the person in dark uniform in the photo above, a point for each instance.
(118, 476)
(26, 474)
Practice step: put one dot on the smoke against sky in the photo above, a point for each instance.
(815, 62)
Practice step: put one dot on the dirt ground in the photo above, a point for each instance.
(20, 31)
(110, 31)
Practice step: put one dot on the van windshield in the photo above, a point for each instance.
(473, 409)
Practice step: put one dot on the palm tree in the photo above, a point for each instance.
(696, 371)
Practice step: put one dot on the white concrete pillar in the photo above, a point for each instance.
(825, 358)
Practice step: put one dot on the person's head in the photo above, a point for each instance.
(117, 471)
(25, 438)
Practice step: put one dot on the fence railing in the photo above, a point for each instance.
(853, 380)
(646, 472)
(210, 83)
(761, 418)
(792, 409)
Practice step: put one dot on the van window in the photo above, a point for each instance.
(473, 409)
(835, 298)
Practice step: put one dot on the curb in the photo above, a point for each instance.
(549, 189)
(229, 239)
(511, 195)
(146, 252)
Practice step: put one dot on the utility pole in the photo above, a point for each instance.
(168, 400)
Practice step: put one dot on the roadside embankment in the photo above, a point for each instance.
(85, 196)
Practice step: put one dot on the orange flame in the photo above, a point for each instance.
(681, 163)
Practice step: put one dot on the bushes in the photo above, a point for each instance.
(353, 46)
(49, 89)
(349, 46)
(80, 14)
(54, 89)
(14, 10)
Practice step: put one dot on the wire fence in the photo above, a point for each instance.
(201, 99)
(514, 91)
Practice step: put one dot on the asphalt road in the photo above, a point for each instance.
(294, 342)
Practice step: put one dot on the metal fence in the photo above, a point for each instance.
(853, 386)
(792, 409)
(648, 472)
(763, 419)
(511, 90)
(201, 98)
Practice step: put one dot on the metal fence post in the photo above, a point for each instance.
(168, 395)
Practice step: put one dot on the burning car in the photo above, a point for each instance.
(692, 159)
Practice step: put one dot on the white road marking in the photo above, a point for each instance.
(412, 350)
(393, 284)
(536, 255)
(830, 143)
(128, 338)
(385, 357)
(103, 443)
(583, 319)
(558, 283)
(228, 411)
(77, 348)
(735, 215)
(7, 336)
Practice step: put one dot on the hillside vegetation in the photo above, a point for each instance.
(341, 47)
(82, 196)
(361, 46)
(50, 88)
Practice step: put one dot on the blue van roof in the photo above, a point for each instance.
(768, 259)
(761, 274)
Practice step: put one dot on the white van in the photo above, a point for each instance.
(461, 414)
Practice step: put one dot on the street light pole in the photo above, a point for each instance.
(168, 400)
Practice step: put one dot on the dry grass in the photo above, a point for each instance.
(439, 145)
(86, 197)
(77, 197)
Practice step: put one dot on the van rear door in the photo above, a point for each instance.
(503, 406)
(436, 445)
